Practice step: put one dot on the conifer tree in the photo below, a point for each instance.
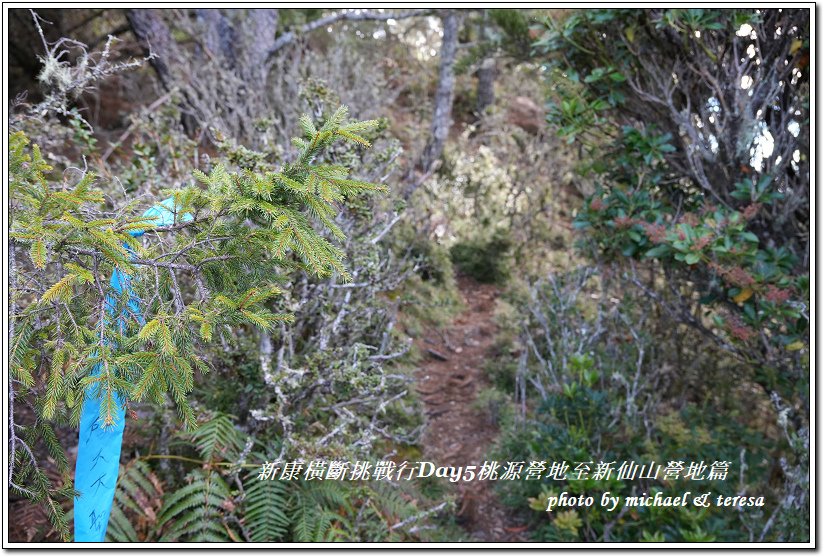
(243, 230)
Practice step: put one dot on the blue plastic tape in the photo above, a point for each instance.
(98, 452)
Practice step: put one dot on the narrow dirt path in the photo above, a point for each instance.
(458, 432)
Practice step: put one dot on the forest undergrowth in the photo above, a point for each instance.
(457, 236)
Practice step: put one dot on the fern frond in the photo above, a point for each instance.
(265, 509)
(218, 436)
(195, 511)
(136, 501)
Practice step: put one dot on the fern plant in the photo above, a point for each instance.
(219, 501)
(217, 437)
(321, 511)
(197, 511)
(136, 503)
(266, 514)
(201, 509)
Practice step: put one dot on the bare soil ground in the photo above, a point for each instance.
(459, 433)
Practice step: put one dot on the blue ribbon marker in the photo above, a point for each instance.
(98, 451)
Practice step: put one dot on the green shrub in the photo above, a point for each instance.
(673, 129)
(598, 380)
(486, 261)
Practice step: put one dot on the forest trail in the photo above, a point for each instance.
(458, 432)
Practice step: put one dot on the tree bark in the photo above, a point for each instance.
(259, 41)
(442, 117)
(157, 40)
(265, 351)
(486, 72)
(218, 34)
(486, 84)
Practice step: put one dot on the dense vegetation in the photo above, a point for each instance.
(632, 184)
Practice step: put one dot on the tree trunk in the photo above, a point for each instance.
(486, 72)
(157, 40)
(442, 118)
(486, 84)
(218, 34)
(260, 39)
(265, 351)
